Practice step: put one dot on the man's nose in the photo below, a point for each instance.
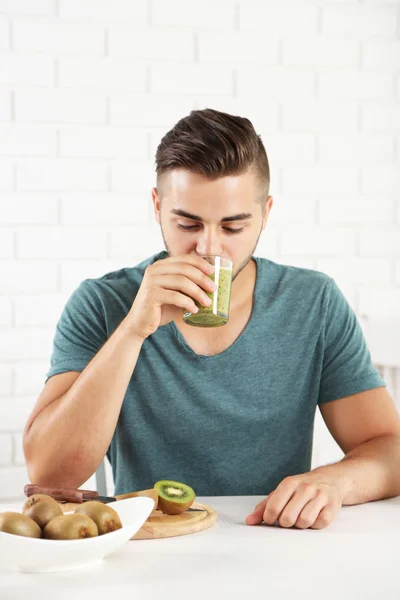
(209, 243)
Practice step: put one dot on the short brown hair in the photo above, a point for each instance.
(214, 144)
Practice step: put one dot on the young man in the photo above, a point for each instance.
(230, 410)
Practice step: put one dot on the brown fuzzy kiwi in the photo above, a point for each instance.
(42, 509)
(17, 524)
(70, 527)
(105, 517)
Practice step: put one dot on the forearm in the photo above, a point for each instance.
(369, 472)
(69, 438)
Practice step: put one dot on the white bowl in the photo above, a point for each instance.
(33, 555)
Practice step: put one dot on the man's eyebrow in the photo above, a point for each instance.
(239, 217)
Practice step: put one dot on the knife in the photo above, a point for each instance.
(79, 496)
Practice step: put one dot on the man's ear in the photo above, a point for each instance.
(267, 210)
(156, 204)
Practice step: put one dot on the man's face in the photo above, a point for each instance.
(203, 217)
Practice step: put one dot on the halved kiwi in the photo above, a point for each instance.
(174, 497)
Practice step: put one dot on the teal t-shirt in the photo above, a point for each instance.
(236, 423)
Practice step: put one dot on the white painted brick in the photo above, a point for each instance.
(381, 55)
(355, 148)
(6, 174)
(382, 116)
(5, 449)
(320, 116)
(53, 36)
(19, 457)
(292, 209)
(61, 242)
(380, 180)
(197, 13)
(27, 7)
(382, 301)
(264, 114)
(359, 21)
(277, 83)
(28, 209)
(60, 106)
(273, 18)
(39, 310)
(6, 243)
(148, 110)
(26, 70)
(287, 148)
(36, 140)
(106, 142)
(12, 481)
(4, 35)
(355, 210)
(322, 241)
(357, 270)
(14, 412)
(5, 377)
(103, 74)
(151, 43)
(61, 174)
(319, 52)
(133, 176)
(319, 179)
(25, 344)
(398, 271)
(5, 105)
(249, 48)
(22, 277)
(353, 85)
(105, 209)
(106, 10)
(74, 272)
(193, 79)
(29, 378)
(138, 241)
(382, 241)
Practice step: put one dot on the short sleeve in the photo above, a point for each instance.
(347, 367)
(80, 331)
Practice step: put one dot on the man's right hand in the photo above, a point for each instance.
(170, 286)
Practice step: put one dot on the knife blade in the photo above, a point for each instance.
(77, 496)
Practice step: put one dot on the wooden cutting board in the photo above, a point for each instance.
(159, 525)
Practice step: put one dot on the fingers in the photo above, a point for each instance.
(184, 285)
(257, 515)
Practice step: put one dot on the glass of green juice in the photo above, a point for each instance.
(217, 313)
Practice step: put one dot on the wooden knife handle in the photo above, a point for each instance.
(60, 493)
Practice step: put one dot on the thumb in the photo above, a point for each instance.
(257, 515)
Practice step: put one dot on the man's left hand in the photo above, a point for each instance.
(307, 500)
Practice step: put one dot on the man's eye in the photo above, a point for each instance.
(229, 230)
(187, 227)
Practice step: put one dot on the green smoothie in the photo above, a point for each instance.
(217, 313)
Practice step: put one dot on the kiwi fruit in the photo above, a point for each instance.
(42, 509)
(70, 527)
(174, 497)
(17, 524)
(105, 517)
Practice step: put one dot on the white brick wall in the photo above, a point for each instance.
(87, 89)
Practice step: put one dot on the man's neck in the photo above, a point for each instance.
(243, 285)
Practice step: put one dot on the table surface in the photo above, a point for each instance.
(355, 558)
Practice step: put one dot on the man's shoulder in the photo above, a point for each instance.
(279, 273)
(122, 283)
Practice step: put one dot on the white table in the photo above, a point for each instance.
(356, 558)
